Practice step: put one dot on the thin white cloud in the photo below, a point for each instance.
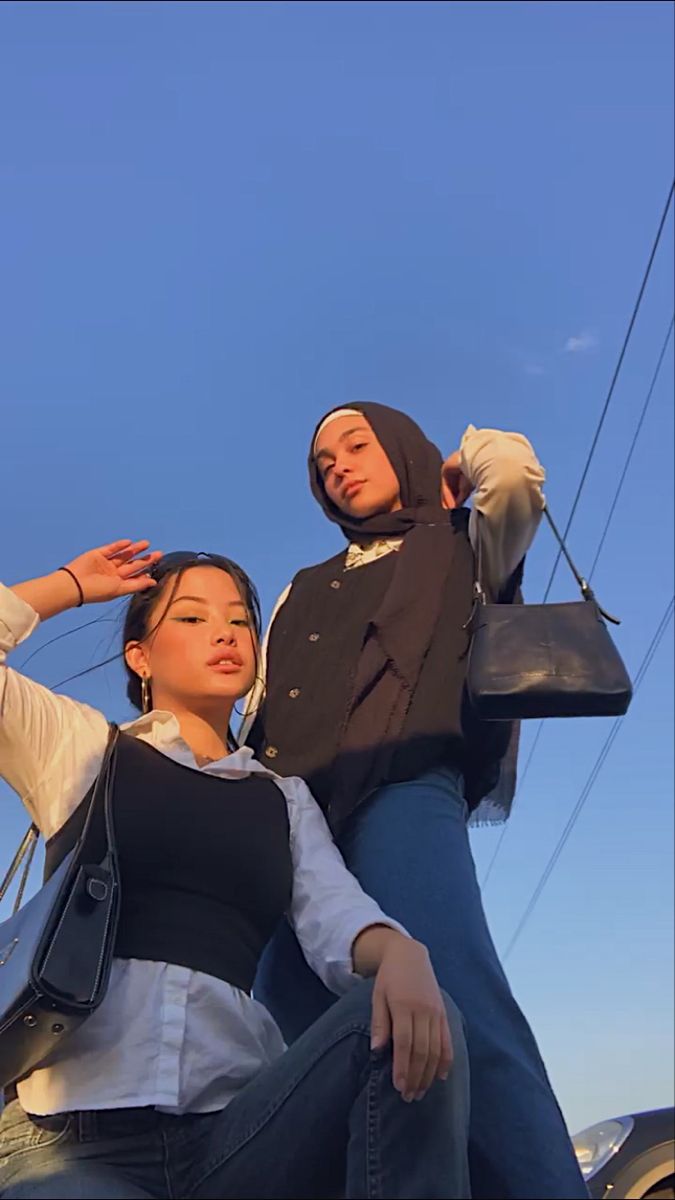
(579, 343)
(533, 368)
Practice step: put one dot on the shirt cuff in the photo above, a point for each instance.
(338, 970)
(17, 619)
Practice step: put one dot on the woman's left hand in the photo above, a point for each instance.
(455, 487)
(408, 1008)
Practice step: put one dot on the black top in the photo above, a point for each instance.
(315, 644)
(205, 863)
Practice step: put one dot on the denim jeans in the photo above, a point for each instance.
(323, 1120)
(409, 848)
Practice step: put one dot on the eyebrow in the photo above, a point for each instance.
(201, 600)
(347, 433)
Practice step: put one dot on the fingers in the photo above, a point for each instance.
(124, 549)
(380, 1029)
(419, 1057)
(447, 497)
(139, 565)
(430, 1070)
(447, 1050)
(403, 1039)
(129, 551)
(114, 547)
(464, 490)
(422, 1051)
(141, 584)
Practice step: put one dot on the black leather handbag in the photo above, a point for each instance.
(543, 660)
(56, 950)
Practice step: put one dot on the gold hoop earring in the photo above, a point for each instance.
(146, 698)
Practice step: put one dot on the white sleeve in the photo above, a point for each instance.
(50, 746)
(329, 908)
(508, 480)
(257, 693)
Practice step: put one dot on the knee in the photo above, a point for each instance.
(357, 1004)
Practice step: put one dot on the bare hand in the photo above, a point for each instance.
(455, 487)
(119, 569)
(408, 1007)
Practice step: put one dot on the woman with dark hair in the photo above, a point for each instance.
(178, 1084)
(364, 698)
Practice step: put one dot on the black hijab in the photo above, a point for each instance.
(417, 465)
(400, 633)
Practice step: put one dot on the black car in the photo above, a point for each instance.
(630, 1158)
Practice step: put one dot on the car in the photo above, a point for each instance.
(629, 1158)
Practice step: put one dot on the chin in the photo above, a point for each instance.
(364, 510)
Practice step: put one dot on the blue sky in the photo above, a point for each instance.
(220, 220)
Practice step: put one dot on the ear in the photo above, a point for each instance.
(137, 660)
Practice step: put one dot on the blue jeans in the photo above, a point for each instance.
(323, 1120)
(408, 846)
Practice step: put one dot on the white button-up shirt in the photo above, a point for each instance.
(164, 1035)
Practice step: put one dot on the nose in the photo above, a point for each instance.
(226, 636)
(341, 466)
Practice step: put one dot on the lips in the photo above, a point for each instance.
(226, 660)
(352, 488)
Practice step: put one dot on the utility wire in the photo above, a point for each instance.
(585, 471)
(610, 393)
(588, 786)
(638, 430)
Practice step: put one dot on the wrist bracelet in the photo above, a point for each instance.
(77, 583)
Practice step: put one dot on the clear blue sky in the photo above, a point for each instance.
(221, 219)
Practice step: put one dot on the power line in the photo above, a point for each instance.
(638, 430)
(521, 783)
(612, 385)
(585, 471)
(588, 786)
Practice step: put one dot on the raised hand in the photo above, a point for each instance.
(455, 487)
(118, 569)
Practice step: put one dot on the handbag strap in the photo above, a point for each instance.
(28, 844)
(102, 793)
(25, 851)
(584, 587)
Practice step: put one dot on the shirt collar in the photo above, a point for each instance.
(161, 729)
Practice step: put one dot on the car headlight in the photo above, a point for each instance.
(595, 1146)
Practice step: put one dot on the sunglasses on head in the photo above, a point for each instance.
(183, 558)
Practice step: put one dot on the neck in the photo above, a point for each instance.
(204, 732)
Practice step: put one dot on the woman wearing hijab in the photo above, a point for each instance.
(364, 698)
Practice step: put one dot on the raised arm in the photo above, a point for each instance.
(51, 745)
(506, 478)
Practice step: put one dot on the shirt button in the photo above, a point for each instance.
(314, 637)
(335, 583)
(294, 693)
(271, 752)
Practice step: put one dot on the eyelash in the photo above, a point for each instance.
(240, 621)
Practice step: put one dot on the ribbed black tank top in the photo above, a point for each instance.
(205, 863)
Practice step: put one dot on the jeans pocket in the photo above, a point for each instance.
(20, 1135)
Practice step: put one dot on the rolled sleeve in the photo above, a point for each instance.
(17, 620)
(329, 908)
(508, 479)
(49, 744)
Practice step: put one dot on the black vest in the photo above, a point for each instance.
(312, 654)
(205, 863)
